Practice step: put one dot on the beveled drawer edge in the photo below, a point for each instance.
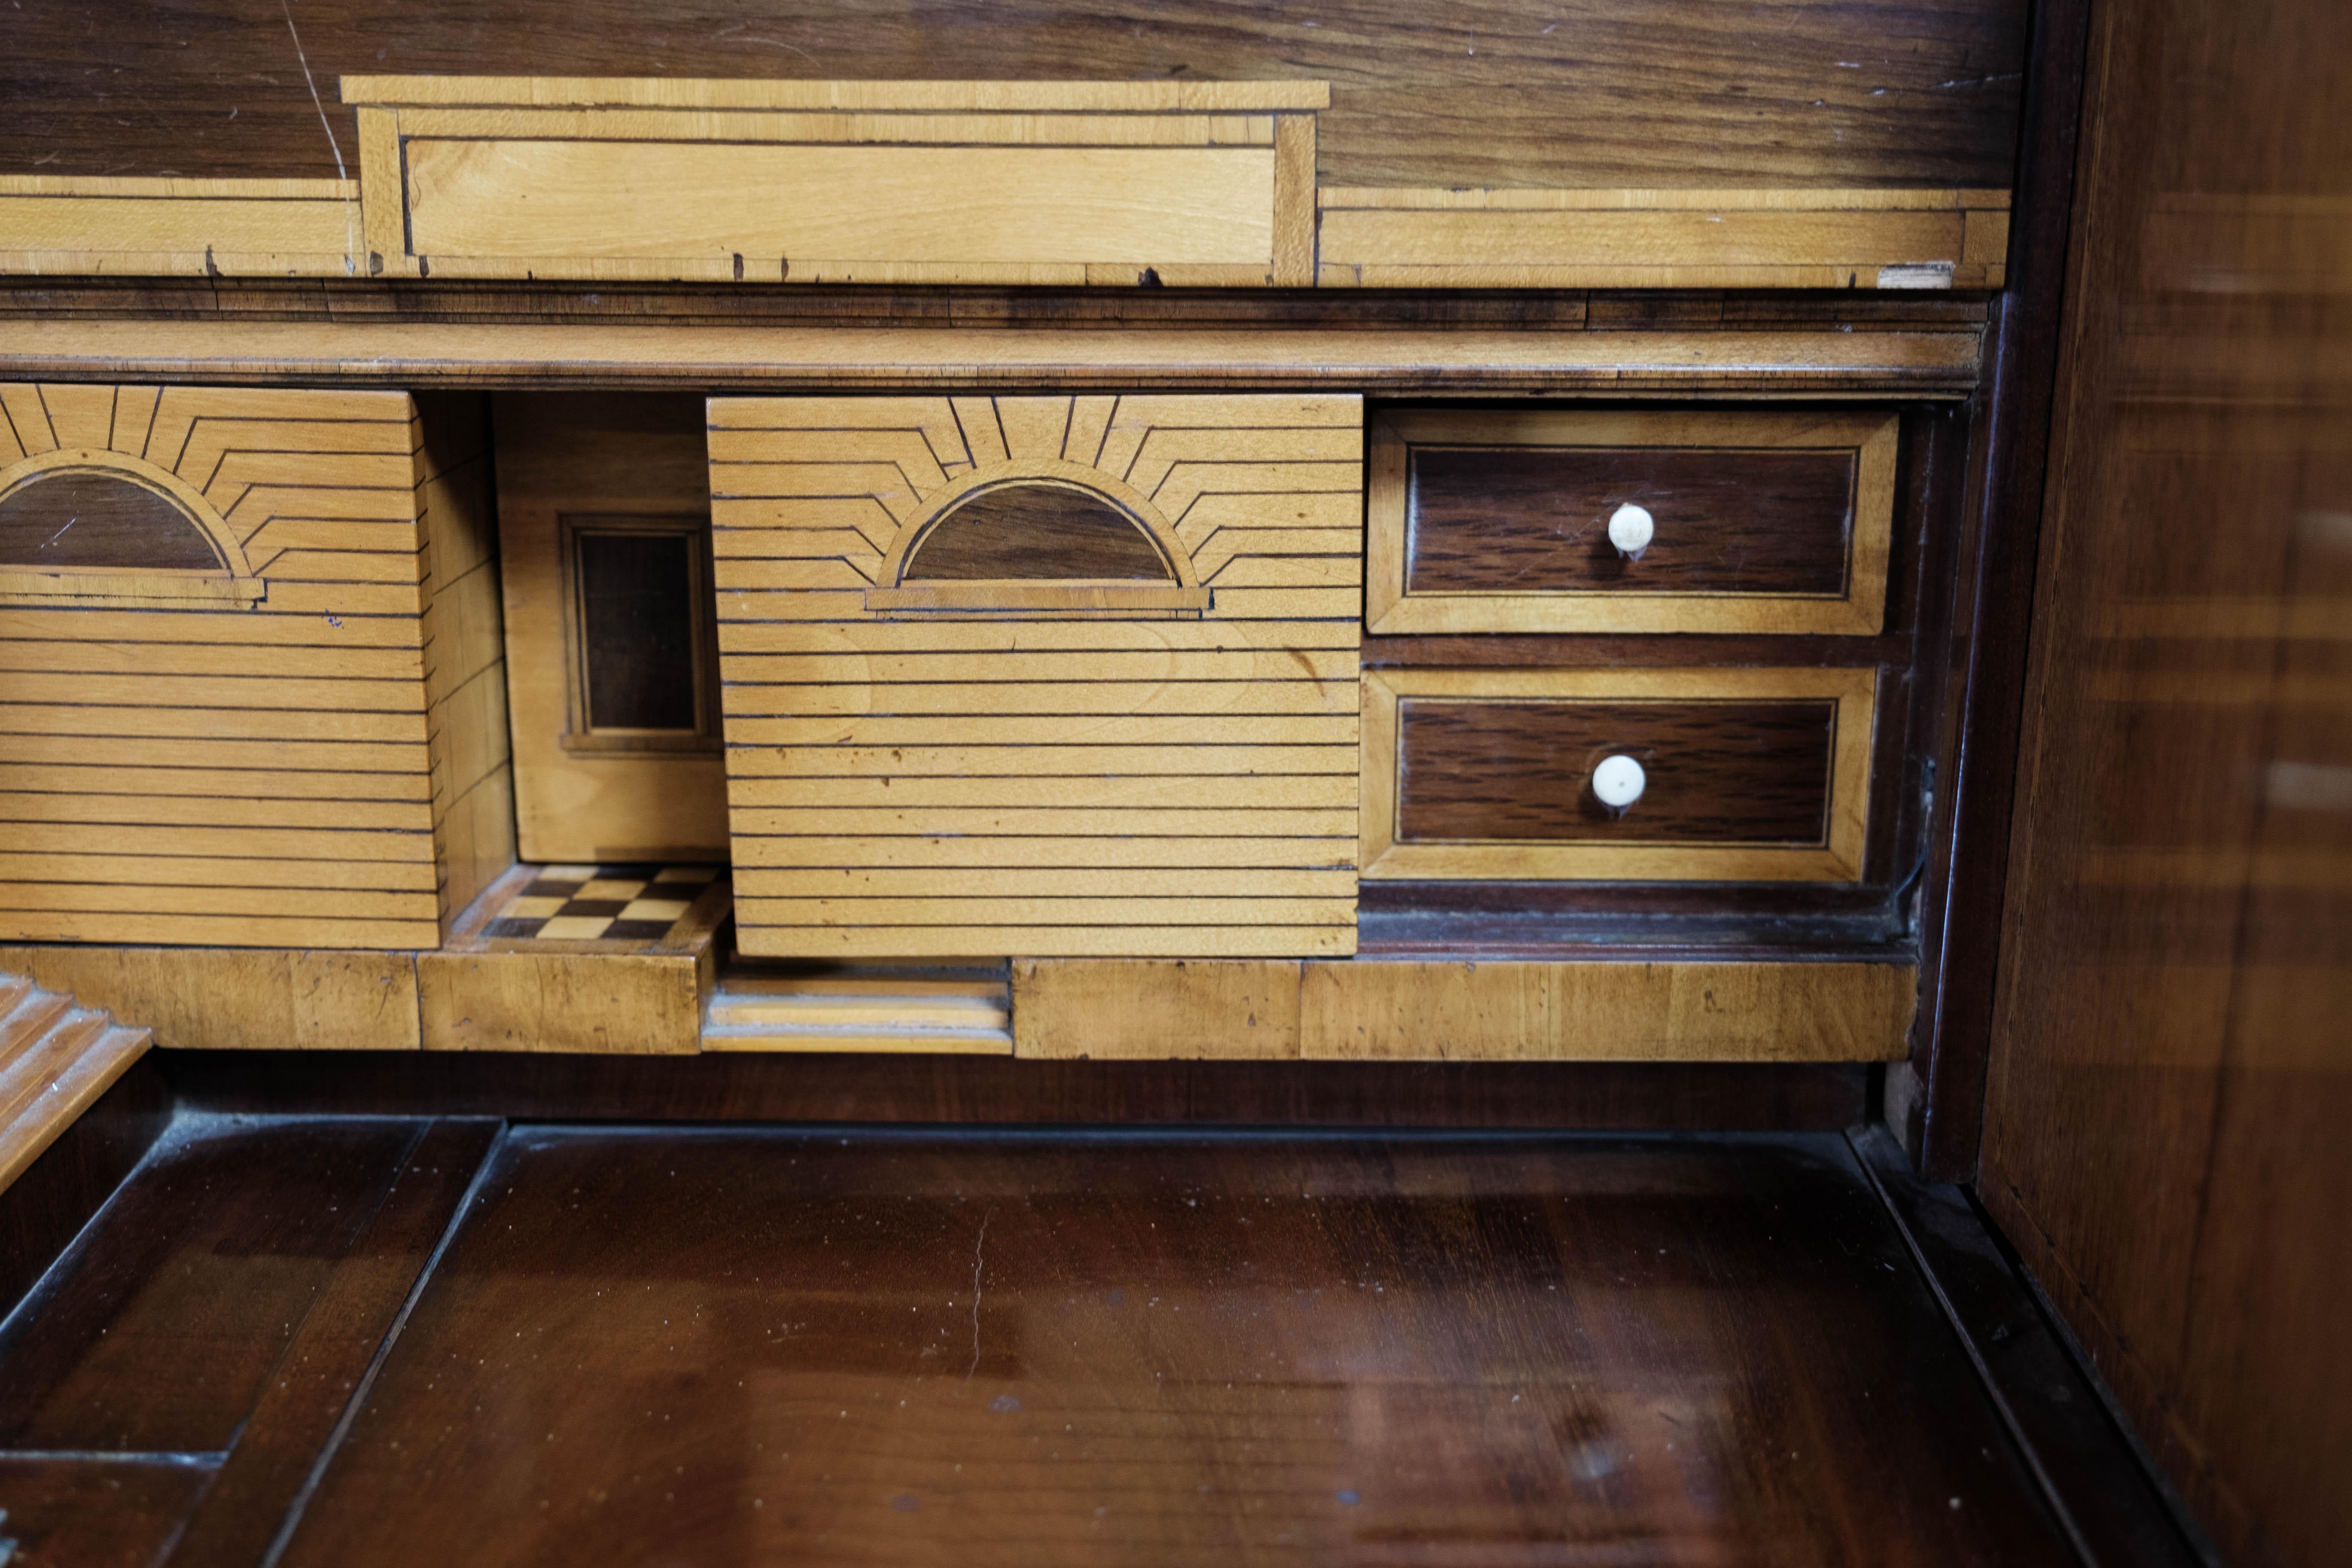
(1383, 858)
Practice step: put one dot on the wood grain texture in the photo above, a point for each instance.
(1180, 1010)
(243, 999)
(465, 650)
(113, 224)
(1402, 1011)
(982, 183)
(820, 506)
(1497, 521)
(1720, 773)
(1842, 96)
(45, 1207)
(480, 993)
(312, 500)
(160, 1332)
(1493, 787)
(596, 355)
(294, 1420)
(58, 1057)
(1112, 1323)
(2168, 1065)
(1796, 239)
(97, 1510)
(611, 457)
(1408, 1010)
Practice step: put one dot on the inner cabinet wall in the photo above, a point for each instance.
(254, 671)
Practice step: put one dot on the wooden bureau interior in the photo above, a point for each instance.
(1114, 568)
(1034, 782)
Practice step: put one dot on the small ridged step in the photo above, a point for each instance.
(55, 1057)
(861, 1007)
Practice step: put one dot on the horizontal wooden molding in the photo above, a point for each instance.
(929, 97)
(1807, 362)
(84, 226)
(1792, 238)
(1415, 1010)
(965, 182)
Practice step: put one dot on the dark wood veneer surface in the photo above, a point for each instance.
(1033, 530)
(82, 520)
(1716, 772)
(741, 1346)
(160, 1333)
(1703, 92)
(1528, 520)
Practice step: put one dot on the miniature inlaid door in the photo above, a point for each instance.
(1040, 676)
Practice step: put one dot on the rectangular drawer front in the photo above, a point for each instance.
(1499, 521)
(1749, 775)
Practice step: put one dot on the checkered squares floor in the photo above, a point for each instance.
(602, 903)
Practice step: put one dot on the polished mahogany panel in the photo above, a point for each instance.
(162, 1327)
(1716, 772)
(95, 1514)
(736, 1346)
(1527, 520)
(2171, 1071)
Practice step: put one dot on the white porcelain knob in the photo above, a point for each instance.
(1618, 781)
(1630, 528)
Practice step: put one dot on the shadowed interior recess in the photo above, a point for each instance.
(1034, 530)
(636, 610)
(82, 518)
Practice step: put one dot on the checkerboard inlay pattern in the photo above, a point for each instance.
(602, 903)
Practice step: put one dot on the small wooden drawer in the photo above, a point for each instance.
(1499, 521)
(1749, 775)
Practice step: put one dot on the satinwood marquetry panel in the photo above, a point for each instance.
(301, 744)
(1124, 762)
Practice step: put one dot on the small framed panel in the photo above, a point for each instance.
(640, 642)
(1740, 521)
(1747, 775)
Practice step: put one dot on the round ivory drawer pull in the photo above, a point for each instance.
(1618, 781)
(1630, 528)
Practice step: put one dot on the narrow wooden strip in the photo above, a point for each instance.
(691, 93)
(823, 128)
(233, 930)
(290, 903)
(32, 720)
(227, 810)
(965, 762)
(773, 940)
(946, 911)
(1601, 199)
(931, 668)
(325, 756)
(1606, 1011)
(873, 636)
(236, 784)
(1325, 791)
(1053, 731)
(872, 844)
(1036, 888)
(166, 869)
(285, 844)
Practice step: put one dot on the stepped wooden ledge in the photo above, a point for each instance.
(57, 1057)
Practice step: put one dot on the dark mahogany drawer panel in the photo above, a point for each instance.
(1759, 521)
(1741, 774)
